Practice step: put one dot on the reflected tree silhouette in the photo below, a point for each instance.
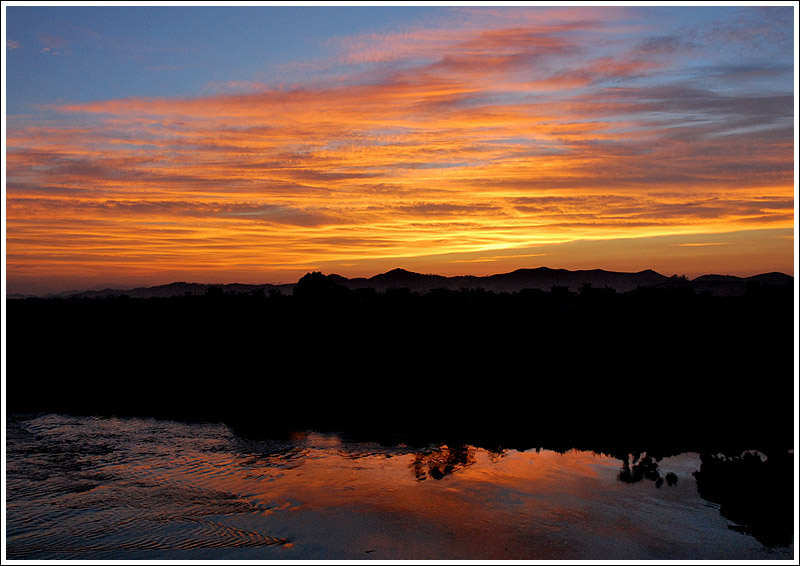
(636, 467)
(752, 491)
(442, 461)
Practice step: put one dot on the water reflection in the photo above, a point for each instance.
(82, 488)
(438, 462)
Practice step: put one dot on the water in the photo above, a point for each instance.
(111, 488)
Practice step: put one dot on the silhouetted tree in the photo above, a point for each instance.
(316, 286)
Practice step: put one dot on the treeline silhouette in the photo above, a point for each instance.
(587, 368)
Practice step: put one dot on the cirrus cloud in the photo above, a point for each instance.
(438, 140)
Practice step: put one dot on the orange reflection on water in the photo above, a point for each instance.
(142, 488)
(453, 496)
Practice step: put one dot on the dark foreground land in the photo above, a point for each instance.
(637, 375)
(666, 366)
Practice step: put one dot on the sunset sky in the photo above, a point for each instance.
(151, 144)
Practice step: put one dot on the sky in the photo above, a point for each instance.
(252, 144)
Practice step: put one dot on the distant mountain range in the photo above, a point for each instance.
(543, 278)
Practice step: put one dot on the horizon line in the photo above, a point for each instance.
(130, 287)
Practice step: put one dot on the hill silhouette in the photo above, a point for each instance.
(174, 289)
(542, 278)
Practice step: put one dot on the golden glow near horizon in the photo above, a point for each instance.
(486, 151)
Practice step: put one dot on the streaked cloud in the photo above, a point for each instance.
(52, 41)
(551, 127)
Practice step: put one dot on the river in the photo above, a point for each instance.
(138, 488)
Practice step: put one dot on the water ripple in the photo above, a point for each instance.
(91, 488)
(96, 487)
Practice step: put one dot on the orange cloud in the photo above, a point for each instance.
(490, 143)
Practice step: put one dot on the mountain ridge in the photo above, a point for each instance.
(542, 278)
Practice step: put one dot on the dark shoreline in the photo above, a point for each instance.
(664, 366)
